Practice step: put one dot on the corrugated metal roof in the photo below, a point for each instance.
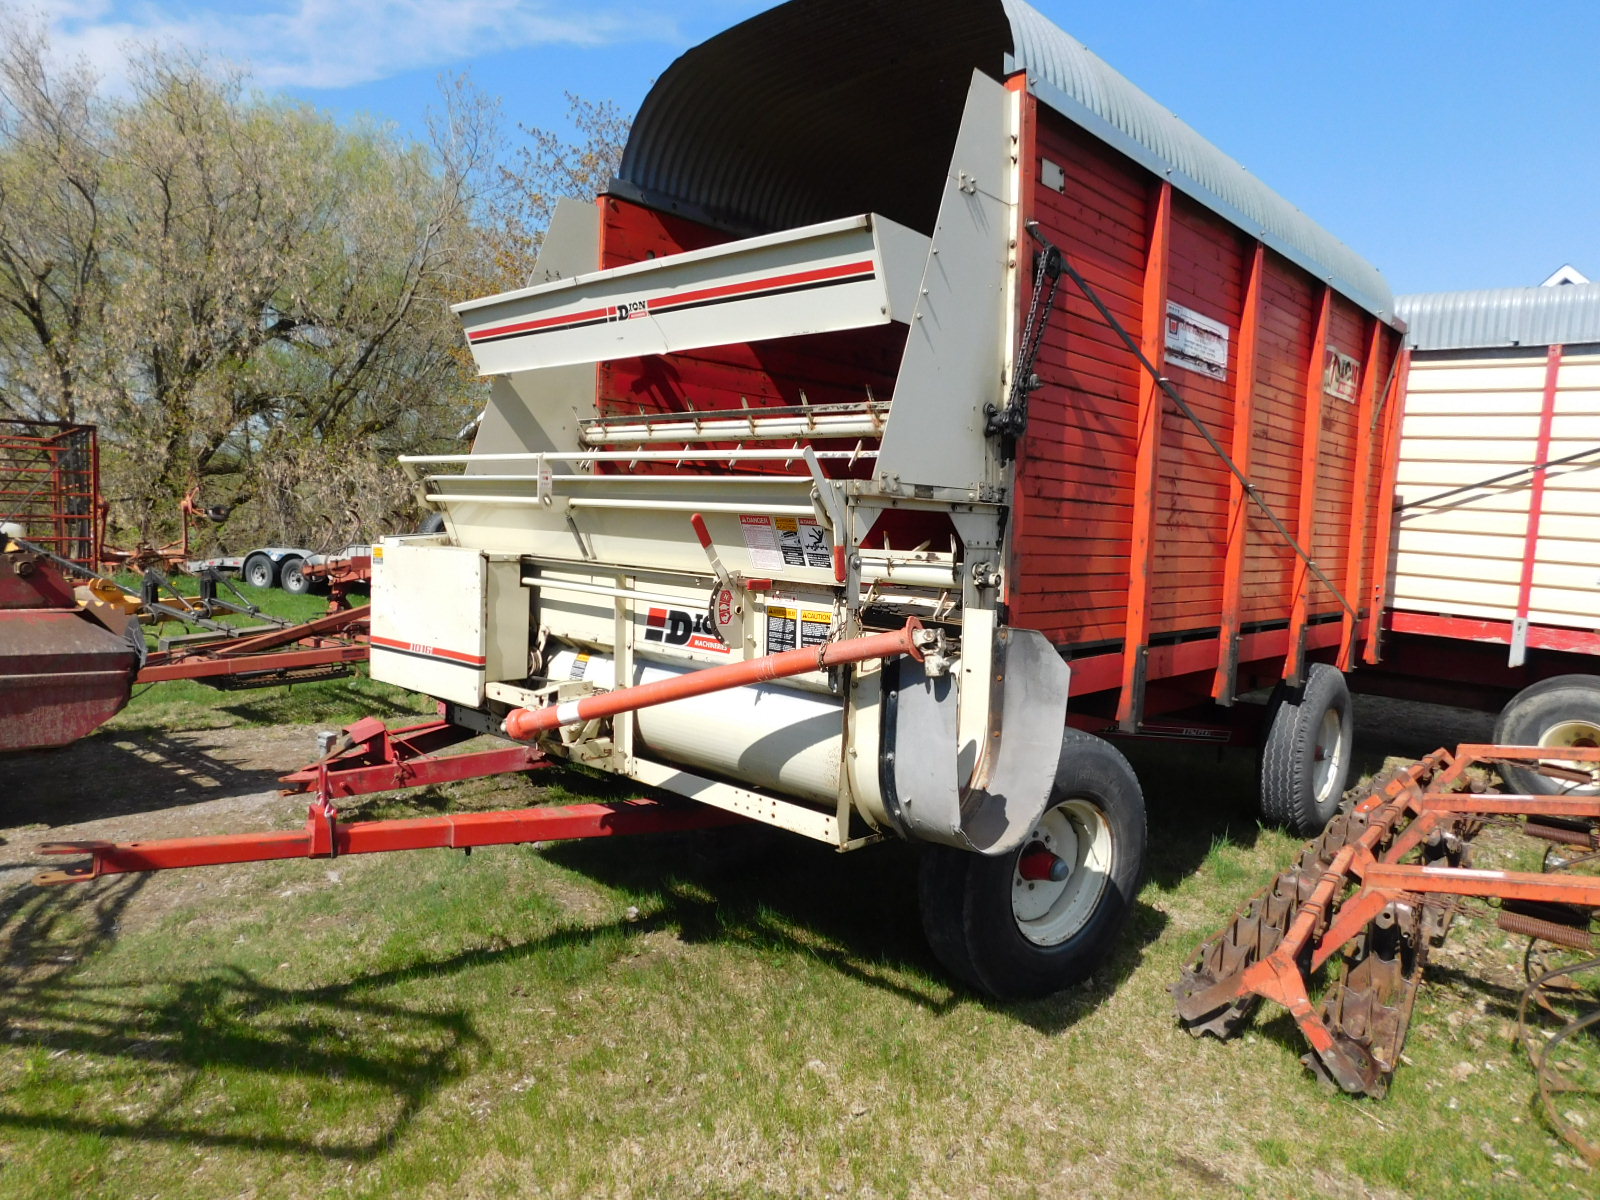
(1565, 315)
(822, 108)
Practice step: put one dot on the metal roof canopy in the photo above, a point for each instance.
(1563, 315)
(820, 109)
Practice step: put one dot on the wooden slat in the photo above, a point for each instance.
(1356, 556)
(1306, 520)
(1378, 587)
(1147, 469)
(1238, 527)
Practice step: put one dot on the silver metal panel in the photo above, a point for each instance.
(1563, 315)
(571, 245)
(1084, 88)
(428, 619)
(820, 278)
(952, 366)
(986, 798)
(855, 108)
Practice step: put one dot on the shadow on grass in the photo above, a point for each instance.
(857, 913)
(114, 773)
(167, 1042)
(336, 702)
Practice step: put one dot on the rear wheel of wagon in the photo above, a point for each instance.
(1042, 917)
(1556, 712)
(1305, 759)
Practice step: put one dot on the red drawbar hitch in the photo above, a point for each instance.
(324, 837)
(369, 757)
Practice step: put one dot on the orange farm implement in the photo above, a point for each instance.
(1371, 895)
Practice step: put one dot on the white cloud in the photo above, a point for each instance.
(337, 43)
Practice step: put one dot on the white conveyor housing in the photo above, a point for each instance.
(845, 274)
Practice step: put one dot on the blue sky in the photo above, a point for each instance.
(1450, 143)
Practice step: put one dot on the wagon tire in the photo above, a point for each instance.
(259, 571)
(1305, 757)
(1561, 711)
(432, 523)
(1012, 938)
(292, 576)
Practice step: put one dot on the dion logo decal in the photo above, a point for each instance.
(675, 627)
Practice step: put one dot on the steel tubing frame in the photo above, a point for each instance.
(527, 723)
(374, 758)
(324, 837)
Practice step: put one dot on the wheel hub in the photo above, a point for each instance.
(1327, 756)
(1578, 733)
(1038, 864)
(1061, 872)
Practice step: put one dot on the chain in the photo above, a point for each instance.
(1009, 423)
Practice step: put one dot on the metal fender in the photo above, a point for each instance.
(984, 798)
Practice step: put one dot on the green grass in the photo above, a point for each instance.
(736, 1014)
(189, 705)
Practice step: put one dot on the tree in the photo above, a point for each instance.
(245, 295)
(249, 297)
(546, 169)
(52, 171)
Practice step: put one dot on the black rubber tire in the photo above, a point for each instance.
(966, 898)
(1289, 793)
(1536, 710)
(259, 571)
(291, 576)
(432, 523)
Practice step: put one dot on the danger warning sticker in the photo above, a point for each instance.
(775, 542)
(790, 628)
(761, 540)
(804, 543)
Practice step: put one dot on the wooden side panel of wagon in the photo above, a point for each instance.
(1137, 549)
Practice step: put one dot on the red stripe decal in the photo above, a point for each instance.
(454, 656)
(819, 275)
(843, 272)
(593, 314)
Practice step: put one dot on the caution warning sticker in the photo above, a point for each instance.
(789, 628)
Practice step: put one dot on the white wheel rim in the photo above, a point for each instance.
(1048, 912)
(1327, 756)
(1572, 733)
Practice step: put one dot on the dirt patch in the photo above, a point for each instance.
(125, 787)
(120, 774)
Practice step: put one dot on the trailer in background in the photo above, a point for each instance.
(293, 568)
(1497, 531)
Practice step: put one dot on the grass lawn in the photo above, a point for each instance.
(735, 1014)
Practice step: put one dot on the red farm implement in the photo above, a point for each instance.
(49, 487)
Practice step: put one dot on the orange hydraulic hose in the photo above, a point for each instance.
(526, 723)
